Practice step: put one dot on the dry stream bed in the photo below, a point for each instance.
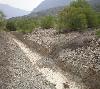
(43, 60)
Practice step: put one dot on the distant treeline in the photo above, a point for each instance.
(22, 24)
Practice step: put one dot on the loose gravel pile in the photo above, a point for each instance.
(83, 62)
(49, 37)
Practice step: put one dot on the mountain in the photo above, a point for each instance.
(95, 1)
(11, 11)
(51, 11)
(95, 4)
(47, 4)
(49, 7)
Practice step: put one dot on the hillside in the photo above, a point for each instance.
(95, 1)
(50, 11)
(11, 11)
(47, 4)
(95, 4)
(50, 7)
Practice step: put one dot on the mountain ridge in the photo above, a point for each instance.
(10, 11)
(47, 4)
(49, 7)
(45, 8)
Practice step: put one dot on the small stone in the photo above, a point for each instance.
(66, 86)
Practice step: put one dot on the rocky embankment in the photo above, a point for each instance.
(77, 53)
(45, 59)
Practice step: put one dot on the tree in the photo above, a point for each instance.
(11, 26)
(2, 14)
(98, 19)
(22, 24)
(47, 22)
(2, 20)
(78, 16)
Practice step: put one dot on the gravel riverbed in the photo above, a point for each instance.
(17, 71)
(75, 52)
(45, 59)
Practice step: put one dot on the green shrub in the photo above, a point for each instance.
(25, 30)
(47, 22)
(21, 24)
(78, 16)
(2, 21)
(11, 26)
(98, 32)
(98, 19)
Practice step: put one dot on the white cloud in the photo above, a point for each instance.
(22, 4)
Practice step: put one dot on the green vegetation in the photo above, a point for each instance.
(98, 19)
(78, 16)
(2, 21)
(11, 26)
(22, 24)
(98, 32)
(28, 24)
(47, 22)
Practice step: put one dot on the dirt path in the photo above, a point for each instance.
(55, 77)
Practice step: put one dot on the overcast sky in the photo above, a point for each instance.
(27, 5)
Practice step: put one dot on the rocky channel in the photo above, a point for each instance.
(45, 59)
